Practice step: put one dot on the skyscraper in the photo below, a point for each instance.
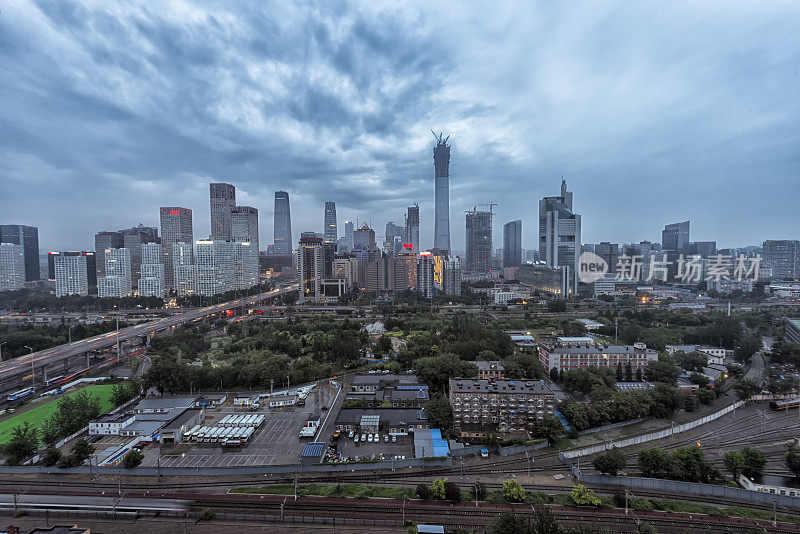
(560, 237)
(117, 281)
(512, 244)
(412, 228)
(215, 268)
(28, 238)
(331, 233)
(310, 268)
(783, 257)
(70, 274)
(151, 280)
(102, 241)
(349, 228)
(176, 227)
(244, 225)
(364, 236)
(12, 266)
(441, 163)
(675, 237)
(223, 201)
(133, 239)
(185, 272)
(479, 241)
(282, 226)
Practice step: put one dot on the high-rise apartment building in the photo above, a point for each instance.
(117, 281)
(133, 239)
(560, 237)
(282, 225)
(349, 228)
(512, 244)
(479, 241)
(70, 274)
(310, 268)
(91, 266)
(28, 238)
(783, 257)
(425, 274)
(185, 272)
(12, 266)
(215, 267)
(675, 237)
(245, 264)
(412, 228)
(223, 201)
(102, 241)
(346, 268)
(330, 231)
(176, 227)
(151, 279)
(244, 225)
(441, 164)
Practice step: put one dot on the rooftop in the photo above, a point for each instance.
(466, 385)
(391, 416)
(182, 419)
(313, 450)
(489, 366)
(164, 403)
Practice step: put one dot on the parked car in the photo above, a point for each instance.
(394, 439)
(369, 438)
(350, 435)
(363, 437)
(376, 438)
(386, 439)
(355, 440)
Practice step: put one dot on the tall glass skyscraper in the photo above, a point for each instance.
(28, 237)
(223, 202)
(176, 227)
(441, 163)
(331, 233)
(412, 228)
(512, 244)
(282, 224)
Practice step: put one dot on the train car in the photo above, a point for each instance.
(22, 393)
(54, 380)
(785, 404)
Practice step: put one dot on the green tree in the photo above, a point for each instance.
(745, 388)
(510, 523)
(384, 345)
(619, 372)
(557, 306)
(513, 491)
(438, 489)
(629, 372)
(424, 492)
(544, 521)
(133, 459)
(754, 461)
(439, 412)
(22, 445)
(748, 345)
(554, 374)
(550, 428)
(51, 456)
(706, 395)
(610, 463)
(452, 492)
(582, 496)
(792, 458)
(734, 463)
(654, 463)
(81, 451)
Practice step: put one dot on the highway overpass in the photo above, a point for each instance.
(33, 369)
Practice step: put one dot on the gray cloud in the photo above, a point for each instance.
(653, 113)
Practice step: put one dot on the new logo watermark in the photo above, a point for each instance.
(591, 267)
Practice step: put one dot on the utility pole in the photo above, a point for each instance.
(616, 330)
(626, 502)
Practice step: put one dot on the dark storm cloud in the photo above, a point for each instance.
(653, 113)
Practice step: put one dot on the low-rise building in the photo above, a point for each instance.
(715, 355)
(172, 432)
(110, 424)
(490, 370)
(396, 422)
(388, 391)
(566, 353)
(484, 406)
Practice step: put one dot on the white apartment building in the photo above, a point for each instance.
(71, 275)
(117, 282)
(152, 281)
(246, 264)
(12, 267)
(215, 271)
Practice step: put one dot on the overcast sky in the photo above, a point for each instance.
(654, 112)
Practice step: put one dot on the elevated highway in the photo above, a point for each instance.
(33, 368)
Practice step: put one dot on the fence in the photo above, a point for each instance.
(658, 484)
(611, 426)
(644, 438)
(502, 451)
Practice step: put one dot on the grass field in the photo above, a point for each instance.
(36, 416)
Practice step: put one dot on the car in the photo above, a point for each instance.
(394, 439)
(386, 439)
(350, 435)
(376, 437)
(363, 437)
(355, 440)
(369, 438)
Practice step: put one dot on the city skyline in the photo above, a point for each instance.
(699, 128)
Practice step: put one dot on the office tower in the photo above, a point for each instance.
(176, 227)
(610, 253)
(102, 241)
(349, 228)
(245, 264)
(223, 200)
(346, 268)
(393, 230)
(91, 267)
(560, 237)
(117, 281)
(512, 244)
(705, 249)
(412, 228)
(441, 163)
(479, 241)
(185, 272)
(331, 234)
(425, 268)
(28, 238)
(215, 267)
(133, 239)
(71, 274)
(451, 276)
(310, 269)
(244, 225)
(12, 266)
(282, 224)
(783, 257)
(675, 237)
(364, 236)
(151, 280)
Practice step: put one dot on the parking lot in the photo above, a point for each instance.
(403, 447)
(276, 442)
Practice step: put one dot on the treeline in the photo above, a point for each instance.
(15, 337)
(74, 413)
(39, 300)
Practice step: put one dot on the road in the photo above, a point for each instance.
(28, 363)
(84, 502)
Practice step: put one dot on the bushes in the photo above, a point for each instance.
(582, 496)
(513, 491)
(133, 459)
(688, 464)
(610, 463)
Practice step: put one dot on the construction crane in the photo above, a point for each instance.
(439, 138)
(490, 204)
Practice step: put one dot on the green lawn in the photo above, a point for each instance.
(36, 416)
